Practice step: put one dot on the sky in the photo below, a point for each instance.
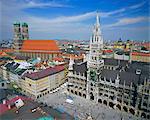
(74, 19)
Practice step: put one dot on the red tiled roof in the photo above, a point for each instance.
(146, 44)
(44, 73)
(140, 54)
(4, 107)
(42, 52)
(107, 51)
(3, 54)
(58, 59)
(42, 45)
(6, 50)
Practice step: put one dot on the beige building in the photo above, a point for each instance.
(38, 84)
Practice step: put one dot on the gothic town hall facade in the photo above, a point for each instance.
(119, 84)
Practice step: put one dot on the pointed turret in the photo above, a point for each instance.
(96, 30)
(95, 62)
(117, 80)
(96, 42)
(97, 19)
(71, 62)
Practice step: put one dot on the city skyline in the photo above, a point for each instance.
(73, 79)
(66, 19)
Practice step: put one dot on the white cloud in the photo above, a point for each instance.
(127, 21)
(62, 19)
(33, 4)
(137, 5)
(62, 26)
(118, 11)
(107, 14)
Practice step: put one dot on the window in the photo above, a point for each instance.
(100, 94)
(105, 95)
(80, 88)
(3, 84)
(148, 91)
(146, 97)
(144, 104)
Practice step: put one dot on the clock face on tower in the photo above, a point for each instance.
(92, 75)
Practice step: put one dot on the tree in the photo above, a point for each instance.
(143, 48)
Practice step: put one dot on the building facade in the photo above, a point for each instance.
(3, 84)
(38, 84)
(140, 56)
(120, 84)
(33, 82)
(77, 78)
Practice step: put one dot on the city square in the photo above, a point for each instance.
(82, 108)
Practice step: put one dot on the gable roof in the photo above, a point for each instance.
(42, 45)
(44, 73)
(140, 54)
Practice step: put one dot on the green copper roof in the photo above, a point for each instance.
(17, 23)
(46, 118)
(25, 24)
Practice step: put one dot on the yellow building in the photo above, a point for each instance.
(38, 84)
(122, 45)
(118, 45)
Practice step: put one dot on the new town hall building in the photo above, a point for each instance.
(119, 84)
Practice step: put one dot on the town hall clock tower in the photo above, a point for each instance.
(95, 61)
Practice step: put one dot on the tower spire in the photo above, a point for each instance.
(96, 43)
(95, 62)
(97, 18)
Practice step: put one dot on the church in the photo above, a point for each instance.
(44, 49)
(120, 84)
